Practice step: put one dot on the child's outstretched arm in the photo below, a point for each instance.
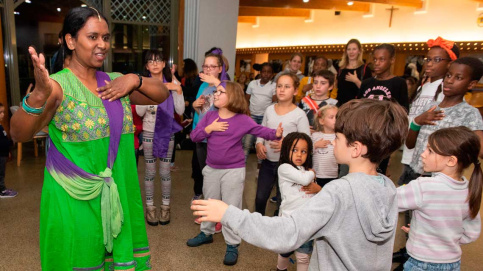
(278, 234)
(471, 229)
(261, 131)
(296, 176)
(427, 118)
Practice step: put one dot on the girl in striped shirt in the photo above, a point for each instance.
(325, 166)
(445, 206)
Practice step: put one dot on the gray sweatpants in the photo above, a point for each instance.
(226, 185)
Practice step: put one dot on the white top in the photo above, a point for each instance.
(293, 121)
(148, 112)
(291, 180)
(416, 108)
(325, 165)
(261, 96)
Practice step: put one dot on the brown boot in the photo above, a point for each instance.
(151, 215)
(164, 215)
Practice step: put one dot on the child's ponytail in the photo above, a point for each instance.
(474, 190)
(464, 144)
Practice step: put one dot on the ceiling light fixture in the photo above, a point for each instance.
(16, 13)
(306, 1)
(59, 10)
(350, 3)
(84, 5)
(28, 1)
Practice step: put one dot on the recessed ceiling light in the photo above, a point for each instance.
(350, 3)
(28, 1)
(306, 1)
(59, 10)
(16, 13)
(84, 5)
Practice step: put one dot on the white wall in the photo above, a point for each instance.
(217, 27)
(451, 19)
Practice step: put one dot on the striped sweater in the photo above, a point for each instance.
(440, 221)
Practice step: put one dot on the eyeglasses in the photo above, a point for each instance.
(157, 61)
(209, 67)
(218, 92)
(435, 60)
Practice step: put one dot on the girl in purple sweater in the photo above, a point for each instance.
(224, 173)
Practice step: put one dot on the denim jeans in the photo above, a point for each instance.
(267, 178)
(249, 140)
(416, 265)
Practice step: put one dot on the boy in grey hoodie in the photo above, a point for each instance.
(352, 219)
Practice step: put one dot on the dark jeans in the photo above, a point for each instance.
(3, 162)
(267, 178)
(382, 168)
(324, 181)
(196, 174)
(201, 153)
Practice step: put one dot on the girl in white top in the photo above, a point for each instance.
(157, 68)
(325, 165)
(293, 119)
(294, 173)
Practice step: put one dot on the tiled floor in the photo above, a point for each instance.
(19, 226)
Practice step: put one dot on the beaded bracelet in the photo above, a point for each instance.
(415, 127)
(32, 110)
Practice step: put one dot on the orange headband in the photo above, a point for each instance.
(447, 45)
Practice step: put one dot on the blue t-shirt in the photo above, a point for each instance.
(207, 91)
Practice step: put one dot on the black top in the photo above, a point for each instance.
(5, 143)
(346, 90)
(392, 89)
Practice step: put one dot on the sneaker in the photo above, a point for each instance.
(8, 193)
(197, 197)
(273, 199)
(231, 255)
(218, 227)
(151, 217)
(198, 221)
(200, 239)
(164, 215)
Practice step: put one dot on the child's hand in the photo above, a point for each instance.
(175, 87)
(210, 79)
(279, 131)
(216, 126)
(322, 143)
(406, 229)
(429, 117)
(352, 77)
(312, 129)
(211, 210)
(312, 188)
(261, 151)
(198, 103)
(276, 145)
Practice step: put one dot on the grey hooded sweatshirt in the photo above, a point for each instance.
(353, 221)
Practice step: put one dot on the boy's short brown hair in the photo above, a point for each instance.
(382, 126)
(327, 75)
(236, 98)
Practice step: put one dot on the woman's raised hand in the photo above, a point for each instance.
(118, 87)
(43, 85)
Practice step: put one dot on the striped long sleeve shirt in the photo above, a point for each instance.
(440, 221)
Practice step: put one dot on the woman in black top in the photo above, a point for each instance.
(352, 72)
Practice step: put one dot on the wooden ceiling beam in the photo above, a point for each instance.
(313, 4)
(273, 12)
(406, 3)
(247, 19)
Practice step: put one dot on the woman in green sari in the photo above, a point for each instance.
(91, 214)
